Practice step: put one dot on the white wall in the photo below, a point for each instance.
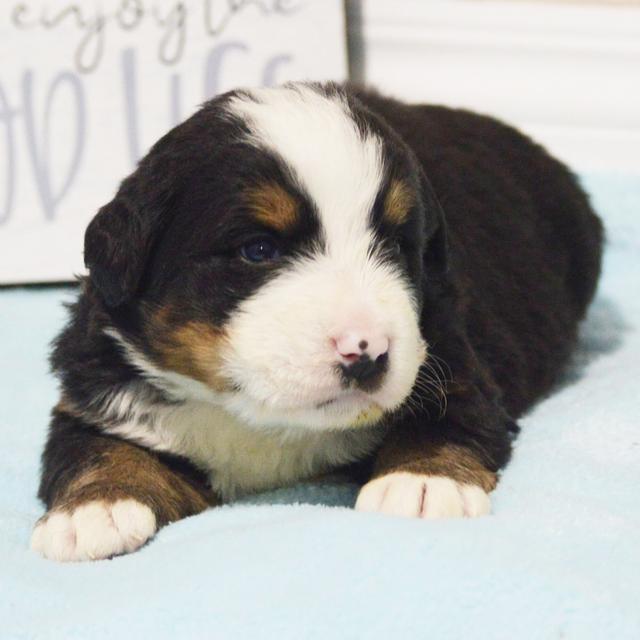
(568, 74)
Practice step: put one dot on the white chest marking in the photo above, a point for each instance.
(238, 458)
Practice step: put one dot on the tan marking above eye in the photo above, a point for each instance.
(273, 205)
(398, 202)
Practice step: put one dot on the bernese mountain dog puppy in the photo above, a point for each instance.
(305, 279)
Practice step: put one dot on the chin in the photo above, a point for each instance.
(345, 412)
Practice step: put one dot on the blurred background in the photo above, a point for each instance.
(86, 87)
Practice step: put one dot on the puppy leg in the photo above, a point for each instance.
(444, 481)
(444, 467)
(106, 496)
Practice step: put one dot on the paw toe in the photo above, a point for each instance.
(476, 501)
(442, 499)
(422, 496)
(96, 535)
(54, 537)
(135, 522)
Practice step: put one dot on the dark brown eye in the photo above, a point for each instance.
(260, 250)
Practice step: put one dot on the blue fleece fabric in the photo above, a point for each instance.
(558, 558)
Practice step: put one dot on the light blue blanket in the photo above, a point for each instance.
(558, 558)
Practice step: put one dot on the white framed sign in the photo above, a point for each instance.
(86, 87)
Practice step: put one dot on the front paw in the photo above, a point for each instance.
(93, 530)
(422, 496)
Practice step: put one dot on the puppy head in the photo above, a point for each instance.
(268, 255)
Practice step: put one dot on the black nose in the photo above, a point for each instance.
(365, 373)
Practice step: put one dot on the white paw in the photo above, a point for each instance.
(421, 496)
(93, 531)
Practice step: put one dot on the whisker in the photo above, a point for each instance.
(432, 381)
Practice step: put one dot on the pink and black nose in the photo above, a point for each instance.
(363, 358)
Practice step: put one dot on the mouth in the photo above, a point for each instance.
(347, 399)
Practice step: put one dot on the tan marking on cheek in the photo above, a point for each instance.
(193, 349)
(272, 205)
(398, 202)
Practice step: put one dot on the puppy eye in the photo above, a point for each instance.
(260, 250)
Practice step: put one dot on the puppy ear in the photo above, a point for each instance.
(436, 254)
(117, 244)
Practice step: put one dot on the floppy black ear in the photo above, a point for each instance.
(436, 254)
(117, 244)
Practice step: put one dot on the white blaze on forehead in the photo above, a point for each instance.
(338, 167)
(287, 378)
